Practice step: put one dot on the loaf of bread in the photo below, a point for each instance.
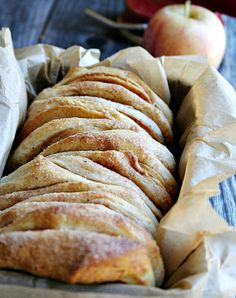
(90, 178)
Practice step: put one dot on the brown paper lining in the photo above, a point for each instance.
(198, 246)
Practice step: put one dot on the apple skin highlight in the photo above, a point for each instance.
(171, 33)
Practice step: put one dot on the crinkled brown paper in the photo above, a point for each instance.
(198, 247)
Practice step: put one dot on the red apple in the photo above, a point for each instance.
(186, 30)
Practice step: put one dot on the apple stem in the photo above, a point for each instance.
(187, 6)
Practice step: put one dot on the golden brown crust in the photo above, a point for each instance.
(111, 201)
(140, 118)
(92, 171)
(121, 77)
(58, 129)
(106, 75)
(41, 112)
(56, 113)
(88, 202)
(120, 140)
(43, 171)
(115, 93)
(127, 165)
(89, 107)
(86, 217)
(63, 215)
(76, 257)
(88, 189)
(39, 172)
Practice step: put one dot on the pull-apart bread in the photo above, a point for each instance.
(92, 177)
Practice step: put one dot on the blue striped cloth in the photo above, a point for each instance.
(225, 202)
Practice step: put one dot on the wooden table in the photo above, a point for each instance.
(63, 23)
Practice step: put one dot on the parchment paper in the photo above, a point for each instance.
(13, 100)
(198, 247)
(43, 65)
